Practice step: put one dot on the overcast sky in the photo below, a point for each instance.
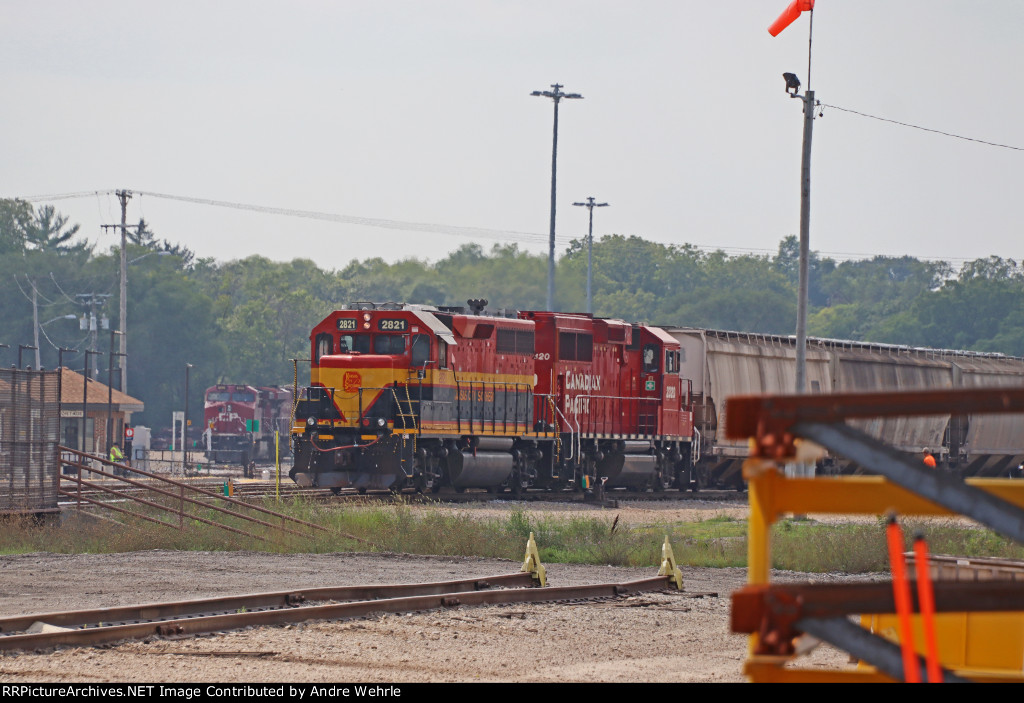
(420, 113)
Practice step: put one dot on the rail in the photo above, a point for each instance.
(177, 493)
(95, 627)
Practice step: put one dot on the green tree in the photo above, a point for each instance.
(49, 230)
(16, 218)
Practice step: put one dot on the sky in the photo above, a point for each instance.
(340, 130)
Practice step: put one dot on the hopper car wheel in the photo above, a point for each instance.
(460, 489)
(436, 488)
(362, 490)
(336, 490)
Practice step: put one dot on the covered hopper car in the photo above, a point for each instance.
(722, 364)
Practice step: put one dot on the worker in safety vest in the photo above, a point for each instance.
(929, 460)
(117, 457)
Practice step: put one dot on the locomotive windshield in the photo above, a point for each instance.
(359, 343)
(243, 397)
(217, 396)
(388, 344)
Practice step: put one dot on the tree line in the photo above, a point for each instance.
(243, 321)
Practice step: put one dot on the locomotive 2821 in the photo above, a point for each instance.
(416, 396)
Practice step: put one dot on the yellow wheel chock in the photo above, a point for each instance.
(532, 565)
(668, 565)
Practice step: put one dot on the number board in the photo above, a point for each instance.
(391, 325)
(347, 323)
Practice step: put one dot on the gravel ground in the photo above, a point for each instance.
(660, 637)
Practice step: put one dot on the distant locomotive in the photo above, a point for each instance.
(415, 396)
(240, 423)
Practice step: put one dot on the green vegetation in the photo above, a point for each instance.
(798, 545)
(242, 321)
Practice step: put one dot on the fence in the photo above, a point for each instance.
(29, 426)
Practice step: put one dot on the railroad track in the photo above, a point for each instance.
(256, 488)
(183, 618)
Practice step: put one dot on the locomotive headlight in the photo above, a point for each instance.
(310, 421)
(366, 317)
(381, 422)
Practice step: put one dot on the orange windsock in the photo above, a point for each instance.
(789, 15)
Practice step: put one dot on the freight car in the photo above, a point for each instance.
(240, 423)
(416, 396)
(721, 364)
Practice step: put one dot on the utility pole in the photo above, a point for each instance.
(122, 314)
(788, 16)
(89, 322)
(556, 95)
(35, 320)
(110, 389)
(184, 424)
(85, 398)
(590, 205)
(805, 227)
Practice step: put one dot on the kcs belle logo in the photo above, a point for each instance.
(351, 381)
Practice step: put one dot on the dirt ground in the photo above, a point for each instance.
(660, 637)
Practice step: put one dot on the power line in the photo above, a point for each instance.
(366, 221)
(474, 232)
(923, 129)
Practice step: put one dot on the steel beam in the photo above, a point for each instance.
(876, 651)
(938, 487)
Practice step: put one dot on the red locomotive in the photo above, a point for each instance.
(240, 421)
(416, 396)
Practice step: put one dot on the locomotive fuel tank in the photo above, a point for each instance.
(627, 470)
(478, 470)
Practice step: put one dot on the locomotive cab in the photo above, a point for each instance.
(372, 370)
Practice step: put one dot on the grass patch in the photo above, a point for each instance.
(718, 541)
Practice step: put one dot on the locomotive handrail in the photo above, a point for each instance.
(574, 437)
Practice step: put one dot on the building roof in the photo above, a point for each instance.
(71, 393)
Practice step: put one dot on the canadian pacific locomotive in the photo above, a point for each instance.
(240, 423)
(416, 396)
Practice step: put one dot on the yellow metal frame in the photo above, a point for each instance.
(772, 495)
